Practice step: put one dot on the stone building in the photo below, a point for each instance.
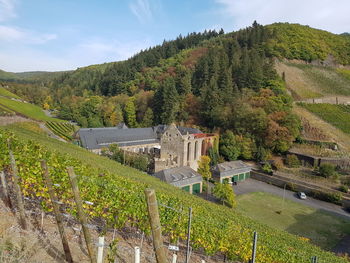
(183, 177)
(231, 172)
(170, 145)
(182, 147)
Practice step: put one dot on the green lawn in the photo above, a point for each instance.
(322, 228)
(29, 110)
(6, 93)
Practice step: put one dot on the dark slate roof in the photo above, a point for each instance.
(185, 130)
(182, 130)
(231, 168)
(97, 138)
(179, 176)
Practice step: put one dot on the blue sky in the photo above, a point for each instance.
(66, 34)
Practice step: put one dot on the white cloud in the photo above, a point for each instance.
(324, 14)
(14, 34)
(142, 10)
(7, 9)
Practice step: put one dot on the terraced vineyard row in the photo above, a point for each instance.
(337, 115)
(5, 112)
(119, 201)
(63, 129)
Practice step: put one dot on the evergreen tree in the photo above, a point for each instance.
(211, 103)
(170, 104)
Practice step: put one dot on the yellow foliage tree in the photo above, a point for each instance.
(204, 167)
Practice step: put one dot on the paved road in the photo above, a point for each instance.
(251, 185)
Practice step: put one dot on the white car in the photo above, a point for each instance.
(302, 195)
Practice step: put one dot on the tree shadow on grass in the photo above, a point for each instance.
(321, 228)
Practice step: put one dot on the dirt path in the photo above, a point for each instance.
(6, 120)
(329, 99)
(298, 83)
(338, 136)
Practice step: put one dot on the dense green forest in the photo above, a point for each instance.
(219, 82)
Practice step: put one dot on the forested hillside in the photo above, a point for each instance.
(213, 80)
(220, 82)
(294, 41)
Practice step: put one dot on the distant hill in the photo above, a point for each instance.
(29, 77)
(294, 41)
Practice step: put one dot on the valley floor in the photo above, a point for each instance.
(323, 223)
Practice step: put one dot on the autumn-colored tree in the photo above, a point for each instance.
(130, 113)
(225, 193)
(204, 167)
(204, 170)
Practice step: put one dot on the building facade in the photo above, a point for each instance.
(183, 177)
(171, 146)
(182, 147)
(231, 172)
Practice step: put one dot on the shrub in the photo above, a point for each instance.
(326, 170)
(344, 188)
(328, 197)
(278, 163)
(291, 187)
(225, 193)
(292, 161)
(267, 168)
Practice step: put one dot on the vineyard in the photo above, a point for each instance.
(5, 111)
(64, 130)
(337, 115)
(116, 198)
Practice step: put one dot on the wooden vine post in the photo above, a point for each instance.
(56, 210)
(17, 189)
(5, 190)
(155, 225)
(81, 214)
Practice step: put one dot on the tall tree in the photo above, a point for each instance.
(167, 102)
(148, 118)
(130, 113)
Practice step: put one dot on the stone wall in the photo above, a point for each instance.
(314, 161)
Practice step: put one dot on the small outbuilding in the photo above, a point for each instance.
(183, 177)
(233, 171)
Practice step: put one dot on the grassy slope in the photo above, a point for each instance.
(337, 115)
(307, 81)
(4, 92)
(332, 132)
(321, 228)
(29, 110)
(212, 211)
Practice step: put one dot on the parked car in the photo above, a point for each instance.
(302, 195)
